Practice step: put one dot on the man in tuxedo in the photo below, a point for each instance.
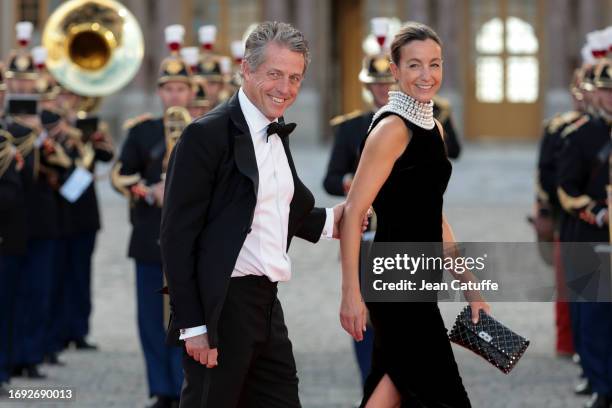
(233, 203)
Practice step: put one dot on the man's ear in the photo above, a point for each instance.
(244, 67)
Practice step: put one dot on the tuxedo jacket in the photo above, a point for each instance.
(210, 196)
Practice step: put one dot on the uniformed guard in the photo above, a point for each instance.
(442, 112)
(40, 155)
(583, 177)
(200, 103)
(548, 215)
(138, 176)
(210, 65)
(350, 131)
(89, 143)
(12, 246)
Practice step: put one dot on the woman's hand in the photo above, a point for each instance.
(477, 303)
(353, 314)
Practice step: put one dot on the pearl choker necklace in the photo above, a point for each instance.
(419, 113)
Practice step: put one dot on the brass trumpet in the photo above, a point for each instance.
(176, 119)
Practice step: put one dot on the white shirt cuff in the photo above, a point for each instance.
(328, 228)
(599, 218)
(192, 332)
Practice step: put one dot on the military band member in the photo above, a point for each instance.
(583, 177)
(137, 175)
(549, 216)
(442, 112)
(200, 103)
(36, 272)
(12, 246)
(210, 65)
(350, 130)
(92, 143)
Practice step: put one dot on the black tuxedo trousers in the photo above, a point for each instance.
(256, 364)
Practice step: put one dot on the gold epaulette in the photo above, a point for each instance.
(444, 108)
(441, 102)
(552, 124)
(335, 121)
(130, 123)
(562, 119)
(577, 124)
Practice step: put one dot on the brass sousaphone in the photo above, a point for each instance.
(95, 47)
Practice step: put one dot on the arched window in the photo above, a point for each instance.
(506, 62)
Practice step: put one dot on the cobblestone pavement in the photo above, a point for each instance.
(489, 195)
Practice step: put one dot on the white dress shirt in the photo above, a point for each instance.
(264, 252)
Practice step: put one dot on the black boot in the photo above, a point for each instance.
(82, 344)
(599, 401)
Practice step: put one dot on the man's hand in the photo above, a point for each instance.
(158, 193)
(339, 213)
(139, 190)
(347, 181)
(198, 348)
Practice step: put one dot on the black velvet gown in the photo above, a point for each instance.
(410, 340)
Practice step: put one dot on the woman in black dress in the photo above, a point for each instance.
(403, 173)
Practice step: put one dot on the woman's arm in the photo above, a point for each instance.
(385, 144)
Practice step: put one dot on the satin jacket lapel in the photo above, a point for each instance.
(244, 151)
(285, 141)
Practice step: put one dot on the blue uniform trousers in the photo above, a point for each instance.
(9, 273)
(31, 302)
(163, 362)
(77, 299)
(596, 344)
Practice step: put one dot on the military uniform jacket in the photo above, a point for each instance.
(583, 176)
(548, 158)
(442, 112)
(211, 193)
(83, 215)
(13, 229)
(143, 153)
(40, 199)
(345, 152)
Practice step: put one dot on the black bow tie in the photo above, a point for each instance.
(281, 129)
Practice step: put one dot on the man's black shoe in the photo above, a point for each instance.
(599, 401)
(82, 344)
(52, 359)
(161, 402)
(583, 387)
(29, 371)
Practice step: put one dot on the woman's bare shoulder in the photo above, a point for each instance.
(391, 131)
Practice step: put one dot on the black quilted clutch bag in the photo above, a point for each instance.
(489, 339)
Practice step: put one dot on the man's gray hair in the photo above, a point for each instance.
(283, 34)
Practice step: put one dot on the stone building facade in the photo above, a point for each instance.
(507, 62)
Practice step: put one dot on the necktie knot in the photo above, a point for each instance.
(281, 129)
